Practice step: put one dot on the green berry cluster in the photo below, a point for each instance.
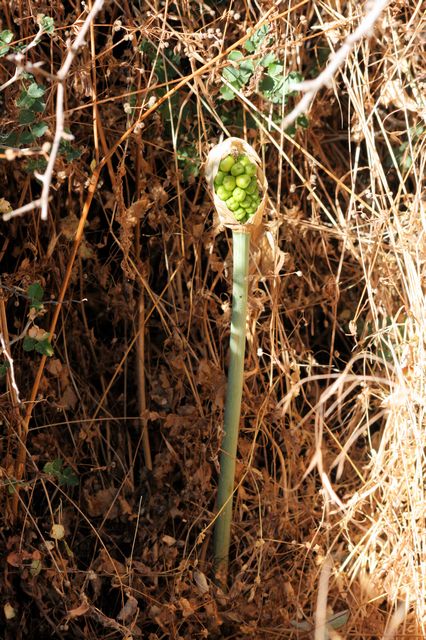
(236, 184)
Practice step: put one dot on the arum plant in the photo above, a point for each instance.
(238, 185)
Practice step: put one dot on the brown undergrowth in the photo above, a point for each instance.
(106, 525)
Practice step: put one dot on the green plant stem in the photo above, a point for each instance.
(222, 533)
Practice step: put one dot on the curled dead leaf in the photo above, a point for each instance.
(81, 610)
(129, 610)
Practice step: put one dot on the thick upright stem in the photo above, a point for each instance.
(222, 533)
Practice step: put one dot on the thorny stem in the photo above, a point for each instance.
(222, 533)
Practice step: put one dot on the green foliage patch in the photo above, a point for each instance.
(262, 74)
(65, 476)
(6, 38)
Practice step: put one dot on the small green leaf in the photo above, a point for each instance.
(29, 344)
(249, 46)
(267, 84)
(46, 22)
(189, 162)
(269, 59)
(35, 90)
(35, 293)
(302, 626)
(339, 619)
(227, 93)
(38, 106)
(235, 56)
(39, 129)
(26, 138)
(6, 36)
(247, 65)
(292, 78)
(68, 478)
(53, 468)
(275, 69)
(24, 101)
(417, 131)
(10, 140)
(35, 164)
(11, 489)
(4, 366)
(44, 347)
(256, 39)
(70, 152)
(64, 476)
(303, 121)
(26, 116)
(335, 621)
(14, 485)
(231, 74)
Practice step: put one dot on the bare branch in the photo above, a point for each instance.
(312, 86)
(18, 58)
(11, 367)
(19, 212)
(46, 177)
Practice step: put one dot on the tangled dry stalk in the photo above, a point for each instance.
(329, 524)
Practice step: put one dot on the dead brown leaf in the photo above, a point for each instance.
(128, 611)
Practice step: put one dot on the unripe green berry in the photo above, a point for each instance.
(237, 169)
(239, 194)
(239, 214)
(247, 202)
(251, 189)
(222, 193)
(226, 164)
(219, 178)
(242, 181)
(244, 160)
(232, 204)
(250, 169)
(229, 183)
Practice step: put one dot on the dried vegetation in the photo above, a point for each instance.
(330, 501)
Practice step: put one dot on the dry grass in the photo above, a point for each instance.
(329, 514)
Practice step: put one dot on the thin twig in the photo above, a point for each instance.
(140, 348)
(60, 134)
(18, 212)
(11, 367)
(321, 608)
(312, 86)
